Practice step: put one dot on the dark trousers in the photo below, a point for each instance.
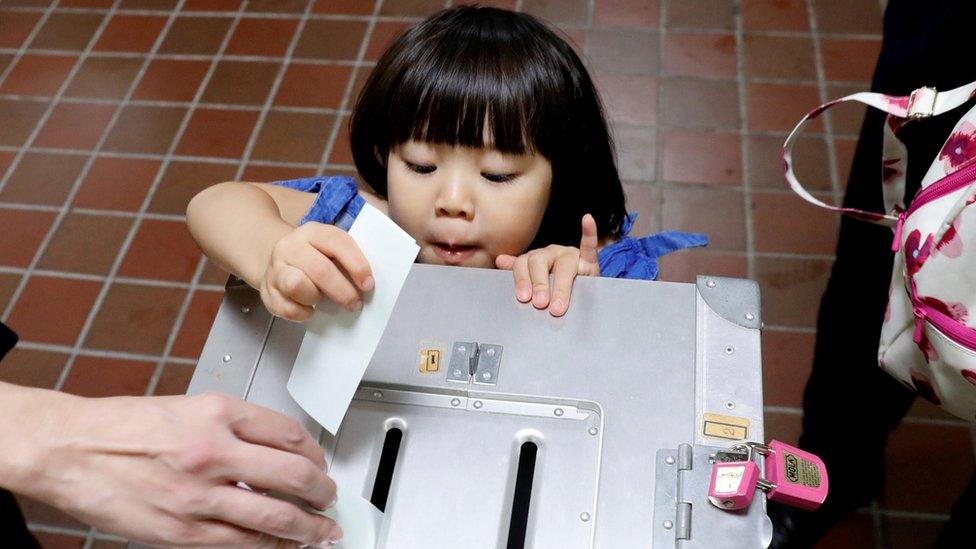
(850, 405)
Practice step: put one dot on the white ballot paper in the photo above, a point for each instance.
(360, 521)
(339, 344)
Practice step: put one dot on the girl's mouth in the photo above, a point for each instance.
(454, 254)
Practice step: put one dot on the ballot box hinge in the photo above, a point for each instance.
(473, 362)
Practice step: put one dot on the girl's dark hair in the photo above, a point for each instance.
(465, 67)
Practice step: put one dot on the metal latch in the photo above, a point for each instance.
(475, 362)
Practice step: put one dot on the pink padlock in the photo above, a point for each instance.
(792, 476)
(733, 484)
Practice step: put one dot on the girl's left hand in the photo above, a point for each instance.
(532, 270)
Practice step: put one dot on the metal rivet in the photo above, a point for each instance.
(669, 460)
(226, 358)
(490, 352)
(478, 404)
(915, 254)
(584, 516)
(486, 375)
(729, 350)
(668, 525)
(710, 283)
(558, 412)
(377, 394)
(455, 402)
(750, 317)
(593, 431)
(730, 405)
(245, 309)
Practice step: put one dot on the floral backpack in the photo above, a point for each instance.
(928, 339)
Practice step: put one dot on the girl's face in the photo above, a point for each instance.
(465, 206)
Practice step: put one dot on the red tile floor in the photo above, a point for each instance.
(113, 113)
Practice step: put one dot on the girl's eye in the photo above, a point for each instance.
(422, 169)
(499, 177)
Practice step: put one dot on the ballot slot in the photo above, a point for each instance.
(460, 470)
(386, 467)
(522, 495)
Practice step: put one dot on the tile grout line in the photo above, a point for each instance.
(167, 56)
(743, 145)
(284, 64)
(26, 207)
(22, 152)
(147, 282)
(99, 353)
(242, 163)
(22, 50)
(878, 525)
(818, 61)
(414, 19)
(658, 129)
(55, 100)
(343, 105)
(229, 14)
(99, 300)
(177, 137)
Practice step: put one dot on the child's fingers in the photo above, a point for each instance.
(523, 282)
(336, 286)
(589, 241)
(343, 250)
(505, 262)
(295, 284)
(539, 266)
(564, 273)
(287, 309)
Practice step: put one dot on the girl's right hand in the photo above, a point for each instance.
(312, 261)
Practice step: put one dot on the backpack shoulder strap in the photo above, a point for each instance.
(922, 103)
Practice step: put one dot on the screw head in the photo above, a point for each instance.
(455, 402)
(668, 525)
(584, 516)
(462, 349)
(558, 412)
(730, 405)
(669, 460)
(245, 309)
(710, 283)
(457, 373)
(729, 350)
(727, 503)
(478, 404)
(226, 358)
(593, 431)
(490, 352)
(377, 394)
(486, 375)
(750, 317)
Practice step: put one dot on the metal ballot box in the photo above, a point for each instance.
(482, 422)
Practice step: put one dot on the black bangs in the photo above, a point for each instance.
(486, 77)
(473, 75)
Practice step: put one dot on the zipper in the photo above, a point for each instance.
(947, 185)
(956, 331)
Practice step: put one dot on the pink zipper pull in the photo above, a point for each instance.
(919, 324)
(896, 243)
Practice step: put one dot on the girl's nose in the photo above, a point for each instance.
(455, 200)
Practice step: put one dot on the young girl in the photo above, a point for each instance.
(480, 133)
